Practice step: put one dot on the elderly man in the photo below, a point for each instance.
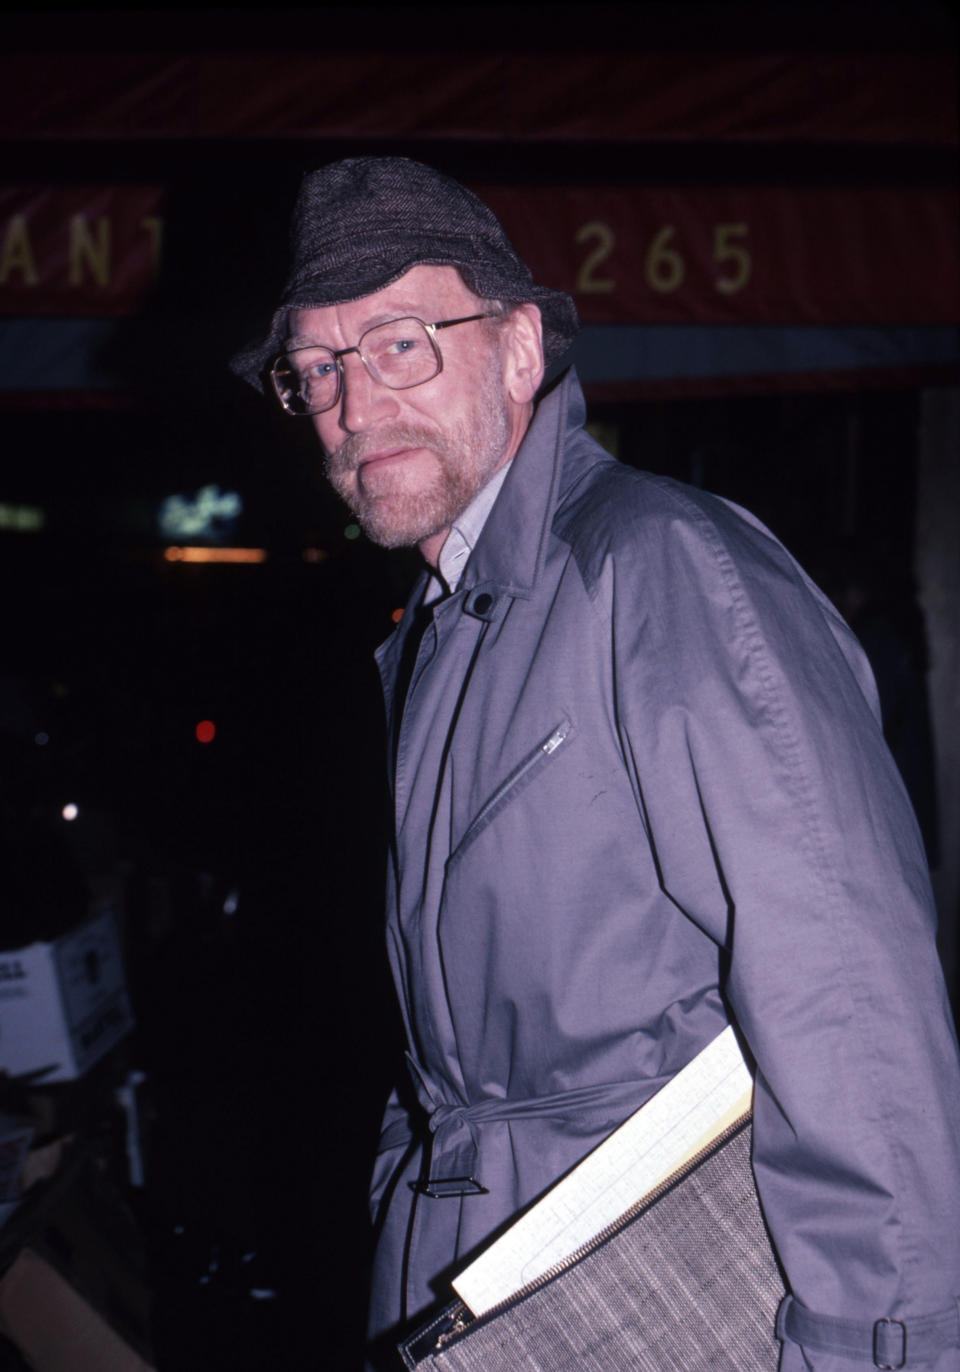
(640, 793)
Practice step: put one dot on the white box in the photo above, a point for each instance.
(63, 1004)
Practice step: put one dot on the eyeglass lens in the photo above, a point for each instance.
(398, 354)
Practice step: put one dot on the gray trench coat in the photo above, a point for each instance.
(640, 789)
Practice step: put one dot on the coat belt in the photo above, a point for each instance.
(886, 1343)
(454, 1164)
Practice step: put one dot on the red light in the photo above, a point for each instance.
(397, 616)
(206, 731)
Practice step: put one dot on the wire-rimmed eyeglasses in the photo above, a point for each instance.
(400, 354)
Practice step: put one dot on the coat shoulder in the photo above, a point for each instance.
(612, 511)
(676, 554)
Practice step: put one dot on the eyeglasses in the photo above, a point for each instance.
(400, 354)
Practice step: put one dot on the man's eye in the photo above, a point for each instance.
(320, 370)
(398, 346)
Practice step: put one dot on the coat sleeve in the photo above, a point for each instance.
(779, 824)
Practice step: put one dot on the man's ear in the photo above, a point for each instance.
(523, 353)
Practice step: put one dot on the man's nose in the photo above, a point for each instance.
(363, 401)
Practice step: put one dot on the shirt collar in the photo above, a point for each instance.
(462, 538)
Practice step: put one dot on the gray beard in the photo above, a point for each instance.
(467, 456)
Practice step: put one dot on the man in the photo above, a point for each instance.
(640, 792)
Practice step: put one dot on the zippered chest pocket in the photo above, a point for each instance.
(522, 775)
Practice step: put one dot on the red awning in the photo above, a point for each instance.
(885, 98)
(676, 255)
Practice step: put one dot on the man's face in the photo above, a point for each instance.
(407, 463)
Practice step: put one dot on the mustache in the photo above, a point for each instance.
(351, 452)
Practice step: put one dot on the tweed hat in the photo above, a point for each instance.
(359, 224)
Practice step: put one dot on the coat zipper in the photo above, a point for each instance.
(544, 750)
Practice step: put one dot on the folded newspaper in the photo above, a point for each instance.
(710, 1094)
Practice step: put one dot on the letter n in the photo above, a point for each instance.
(88, 253)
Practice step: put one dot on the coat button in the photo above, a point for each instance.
(482, 603)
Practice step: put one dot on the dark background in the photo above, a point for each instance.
(249, 871)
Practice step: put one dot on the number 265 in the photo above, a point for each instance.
(664, 267)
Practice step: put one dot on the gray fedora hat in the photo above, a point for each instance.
(361, 223)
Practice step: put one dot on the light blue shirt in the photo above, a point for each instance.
(462, 538)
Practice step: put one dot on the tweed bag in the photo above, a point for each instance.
(684, 1280)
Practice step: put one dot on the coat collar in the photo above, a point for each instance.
(510, 551)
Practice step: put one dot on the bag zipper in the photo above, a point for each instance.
(462, 1317)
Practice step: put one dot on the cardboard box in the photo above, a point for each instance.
(63, 1004)
(54, 1327)
(75, 1294)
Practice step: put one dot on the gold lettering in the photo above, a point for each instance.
(663, 267)
(17, 253)
(153, 225)
(587, 283)
(89, 253)
(726, 249)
